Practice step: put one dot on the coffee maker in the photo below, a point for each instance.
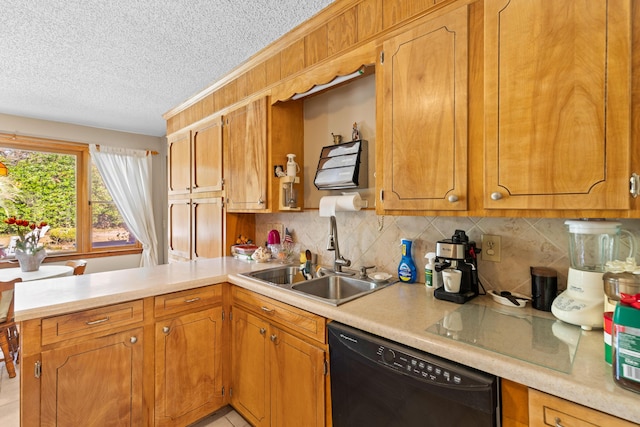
(461, 254)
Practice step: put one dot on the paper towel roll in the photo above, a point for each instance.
(329, 205)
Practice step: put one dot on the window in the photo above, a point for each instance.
(107, 226)
(55, 182)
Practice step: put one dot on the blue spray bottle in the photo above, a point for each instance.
(406, 269)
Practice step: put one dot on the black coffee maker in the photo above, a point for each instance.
(461, 254)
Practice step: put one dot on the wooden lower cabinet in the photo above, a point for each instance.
(103, 367)
(547, 410)
(96, 382)
(189, 345)
(277, 377)
(250, 393)
(188, 367)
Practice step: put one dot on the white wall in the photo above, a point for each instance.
(84, 134)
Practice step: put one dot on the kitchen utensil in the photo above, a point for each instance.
(273, 238)
(592, 244)
(511, 298)
(544, 287)
(521, 299)
(616, 284)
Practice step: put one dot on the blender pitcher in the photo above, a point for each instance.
(593, 243)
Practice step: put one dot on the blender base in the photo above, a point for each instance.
(582, 303)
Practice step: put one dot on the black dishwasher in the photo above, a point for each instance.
(376, 383)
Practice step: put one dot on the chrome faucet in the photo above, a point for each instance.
(332, 245)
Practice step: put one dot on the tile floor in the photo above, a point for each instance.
(10, 406)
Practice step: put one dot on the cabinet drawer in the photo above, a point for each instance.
(547, 410)
(177, 302)
(292, 318)
(97, 320)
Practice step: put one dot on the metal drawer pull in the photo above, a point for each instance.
(133, 340)
(266, 310)
(558, 422)
(496, 196)
(95, 322)
(192, 300)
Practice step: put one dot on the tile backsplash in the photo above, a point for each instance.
(372, 240)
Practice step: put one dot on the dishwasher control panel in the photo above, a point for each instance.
(414, 366)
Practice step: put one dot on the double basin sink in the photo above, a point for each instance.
(332, 288)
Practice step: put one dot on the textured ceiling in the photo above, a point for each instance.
(121, 64)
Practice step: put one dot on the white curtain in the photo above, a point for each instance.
(127, 175)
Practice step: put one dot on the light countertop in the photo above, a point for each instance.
(406, 313)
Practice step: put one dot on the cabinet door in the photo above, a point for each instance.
(188, 370)
(557, 97)
(206, 155)
(424, 116)
(179, 164)
(179, 229)
(547, 410)
(250, 394)
(96, 382)
(245, 165)
(297, 382)
(208, 226)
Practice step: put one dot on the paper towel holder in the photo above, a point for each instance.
(347, 202)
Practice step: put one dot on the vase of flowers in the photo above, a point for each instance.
(28, 251)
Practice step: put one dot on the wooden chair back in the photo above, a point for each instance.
(9, 338)
(8, 286)
(79, 266)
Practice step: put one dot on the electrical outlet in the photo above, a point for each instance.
(491, 247)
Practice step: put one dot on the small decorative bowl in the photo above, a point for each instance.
(244, 249)
(285, 252)
(380, 277)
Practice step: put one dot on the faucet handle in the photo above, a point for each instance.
(363, 270)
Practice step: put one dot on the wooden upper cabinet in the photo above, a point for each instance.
(245, 163)
(557, 104)
(423, 82)
(179, 164)
(206, 153)
(207, 215)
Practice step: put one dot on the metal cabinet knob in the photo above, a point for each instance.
(274, 337)
(263, 331)
(452, 198)
(133, 340)
(165, 329)
(496, 196)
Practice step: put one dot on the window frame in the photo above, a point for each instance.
(84, 225)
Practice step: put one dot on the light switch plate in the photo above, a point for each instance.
(491, 247)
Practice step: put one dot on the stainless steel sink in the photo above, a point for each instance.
(283, 275)
(337, 289)
(332, 289)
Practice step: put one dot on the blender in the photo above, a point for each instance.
(592, 243)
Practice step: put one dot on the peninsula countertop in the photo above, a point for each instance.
(405, 313)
